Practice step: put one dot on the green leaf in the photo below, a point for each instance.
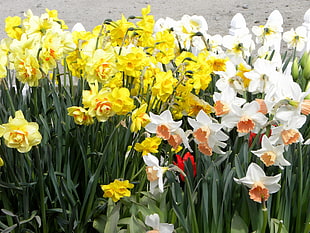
(136, 225)
(99, 223)
(277, 226)
(112, 219)
(238, 225)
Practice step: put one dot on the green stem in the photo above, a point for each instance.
(265, 217)
(41, 189)
(193, 219)
(300, 189)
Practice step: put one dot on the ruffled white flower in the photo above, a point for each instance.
(154, 222)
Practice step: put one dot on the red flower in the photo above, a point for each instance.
(180, 163)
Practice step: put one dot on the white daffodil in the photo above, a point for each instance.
(296, 38)
(154, 222)
(166, 128)
(154, 173)
(208, 135)
(246, 119)
(270, 33)
(261, 76)
(288, 133)
(238, 47)
(260, 185)
(224, 100)
(229, 78)
(270, 154)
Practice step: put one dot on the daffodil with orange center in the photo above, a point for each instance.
(261, 186)
(246, 118)
(20, 134)
(166, 128)
(154, 173)
(80, 115)
(271, 154)
(207, 134)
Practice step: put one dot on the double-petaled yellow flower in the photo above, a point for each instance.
(20, 134)
(117, 189)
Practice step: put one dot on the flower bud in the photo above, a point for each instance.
(306, 71)
(304, 60)
(295, 69)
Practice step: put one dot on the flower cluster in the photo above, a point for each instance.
(34, 46)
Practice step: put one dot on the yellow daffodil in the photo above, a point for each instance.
(20, 134)
(121, 101)
(28, 69)
(80, 115)
(101, 106)
(164, 85)
(117, 189)
(13, 27)
(149, 145)
(139, 118)
(101, 66)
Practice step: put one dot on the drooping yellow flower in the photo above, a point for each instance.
(148, 145)
(146, 26)
(20, 134)
(80, 115)
(139, 118)
(117, 189)
(13, 27)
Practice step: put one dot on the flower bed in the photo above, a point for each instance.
(154, 126)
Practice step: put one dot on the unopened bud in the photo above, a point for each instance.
(295, 69)
(306, 71)
(304, 60)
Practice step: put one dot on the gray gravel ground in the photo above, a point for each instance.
(218, 13)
